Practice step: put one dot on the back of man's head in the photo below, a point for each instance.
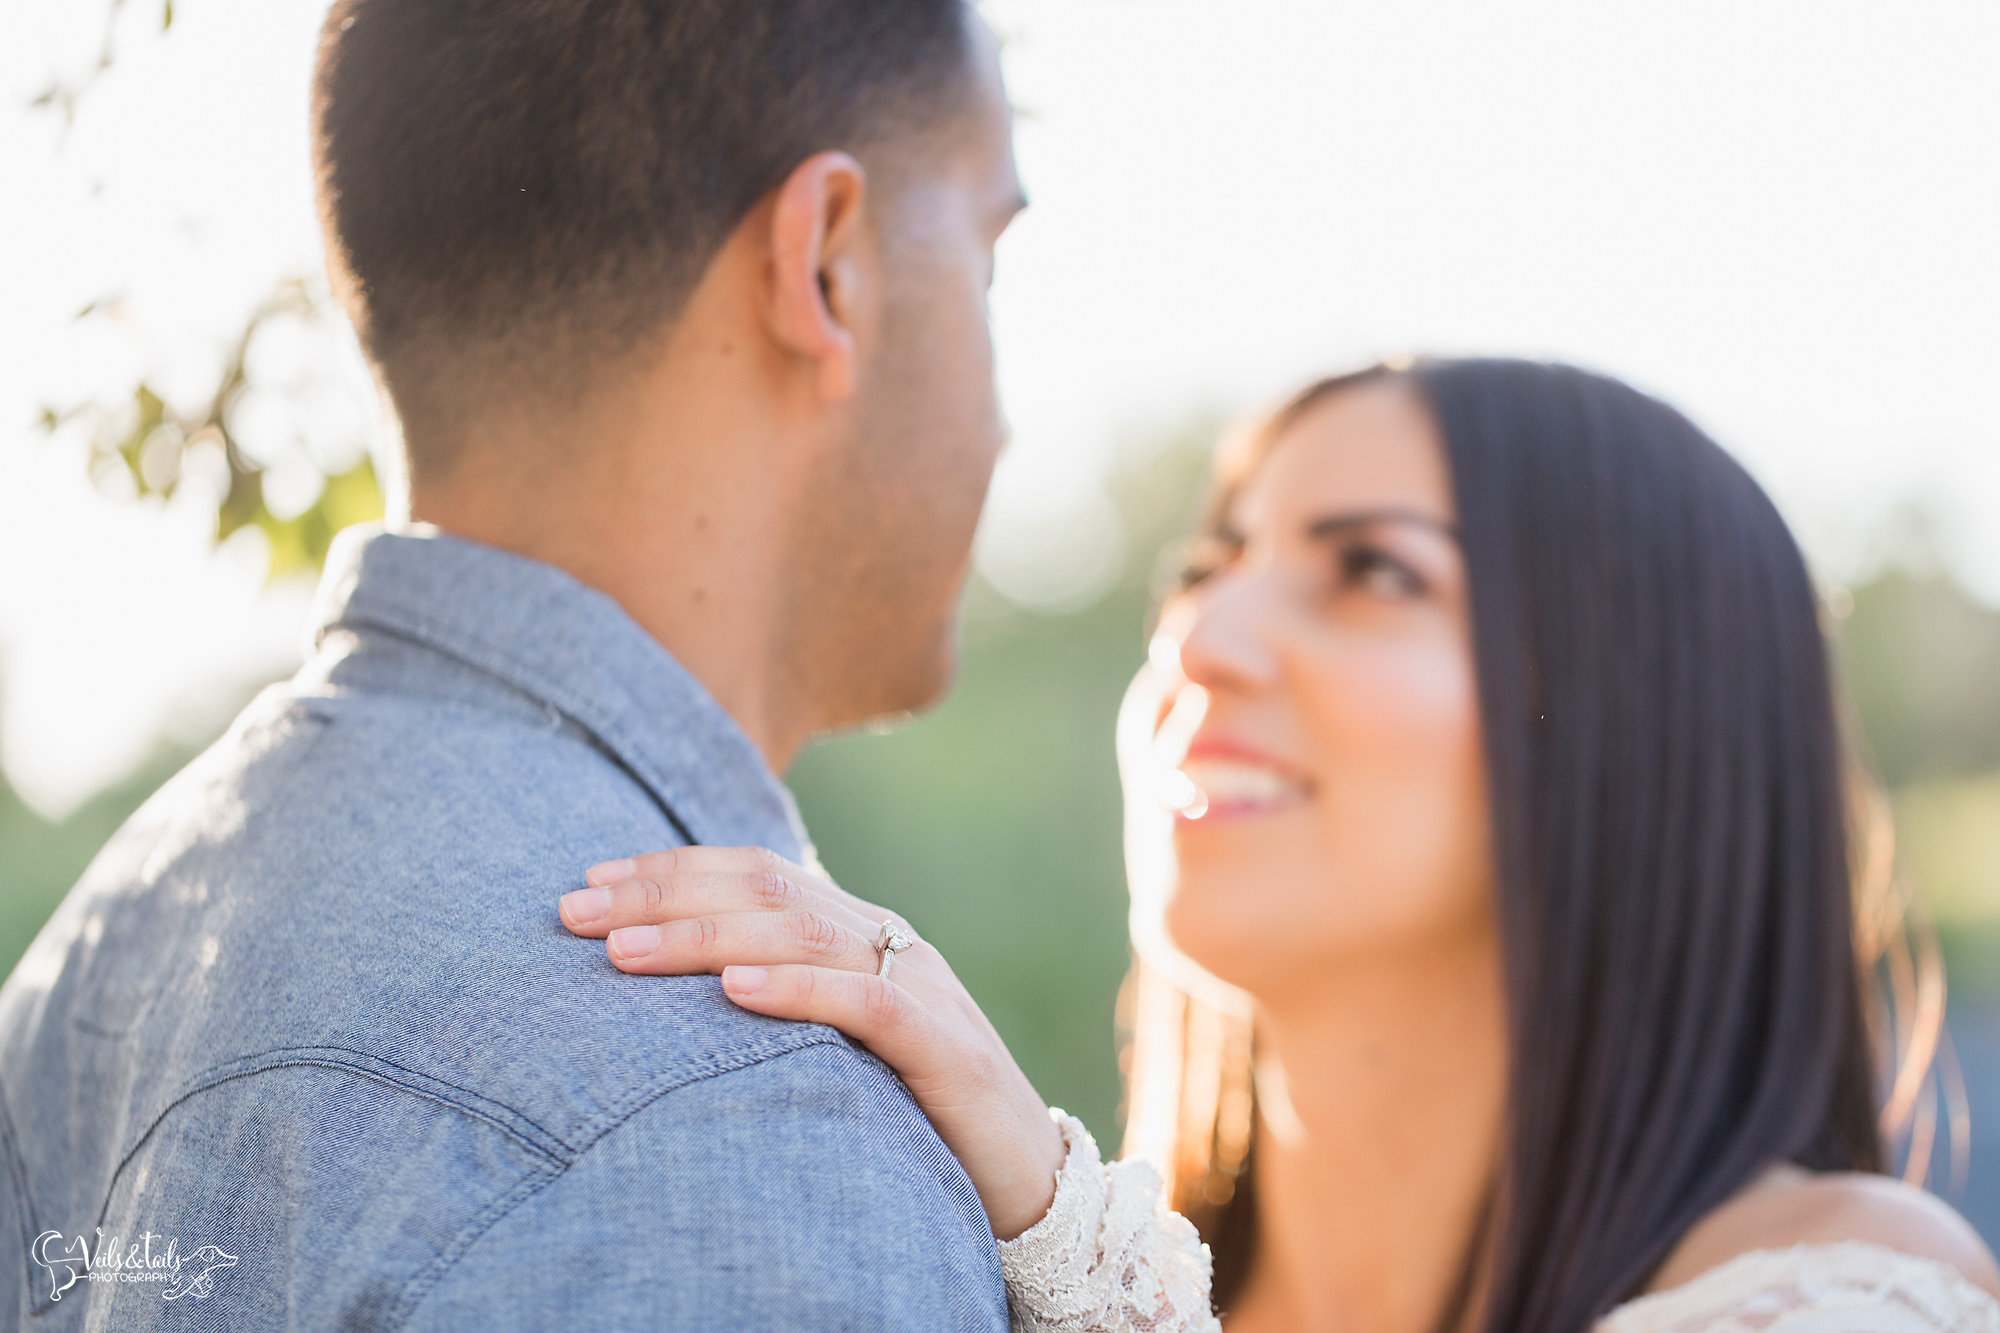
(688, 298)
(532, 188)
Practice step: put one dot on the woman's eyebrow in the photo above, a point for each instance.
(1332, 525)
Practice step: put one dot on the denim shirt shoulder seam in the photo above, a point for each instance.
(421, 1286)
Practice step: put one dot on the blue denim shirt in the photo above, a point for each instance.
(308, 1047)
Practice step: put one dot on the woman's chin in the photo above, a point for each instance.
(1223, 939)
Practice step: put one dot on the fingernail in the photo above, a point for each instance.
(583, 906)
(743, 980)
(610, 872)
(634, 941)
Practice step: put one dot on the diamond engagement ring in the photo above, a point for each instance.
(891, 940)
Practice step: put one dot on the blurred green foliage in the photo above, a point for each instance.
(143, 446)
(1921, 661)
(1949, 830)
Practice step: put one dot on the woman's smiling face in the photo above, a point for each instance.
(1340, 752)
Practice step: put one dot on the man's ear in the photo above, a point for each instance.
(823, 271)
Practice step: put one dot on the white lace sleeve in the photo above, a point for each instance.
(1846, 1288)
(1108, 1257)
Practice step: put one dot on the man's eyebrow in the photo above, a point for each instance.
(1332, 525)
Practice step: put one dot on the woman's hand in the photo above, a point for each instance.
(792, 944)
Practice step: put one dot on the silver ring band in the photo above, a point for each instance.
(891, 940)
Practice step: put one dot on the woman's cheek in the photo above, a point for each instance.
(1401, 803)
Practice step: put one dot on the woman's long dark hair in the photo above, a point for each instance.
(1667, 786)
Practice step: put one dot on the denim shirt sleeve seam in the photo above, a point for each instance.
(517, 1126)
(362, 1064)
(421, 1286)
(554, 1155)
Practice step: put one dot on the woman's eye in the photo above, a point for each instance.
(1373, 570)
(1209, 556)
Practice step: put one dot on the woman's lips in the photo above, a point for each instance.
(1231, 781)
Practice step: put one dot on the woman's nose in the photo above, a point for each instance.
(1226, 644)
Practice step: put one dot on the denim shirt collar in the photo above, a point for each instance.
(574, 650)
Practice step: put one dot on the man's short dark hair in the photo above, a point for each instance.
(515, 182)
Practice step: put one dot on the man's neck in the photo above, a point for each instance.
(678, 517)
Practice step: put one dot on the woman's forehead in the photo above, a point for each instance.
(1371, 447)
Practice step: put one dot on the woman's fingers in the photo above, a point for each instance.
(596, 911)
(677, 861)
(711, 943)
(881, 1015)
(702, 881)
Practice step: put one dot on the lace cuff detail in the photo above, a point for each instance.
(1844, 1288)
(1108, 1257)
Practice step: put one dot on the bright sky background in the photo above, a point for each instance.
(1781, 216)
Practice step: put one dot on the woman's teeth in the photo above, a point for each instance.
(1180, 795)
(1230, 783)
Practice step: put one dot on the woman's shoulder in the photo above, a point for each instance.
(1788, 1207)
(1837, 1287)
(1805, 1245)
